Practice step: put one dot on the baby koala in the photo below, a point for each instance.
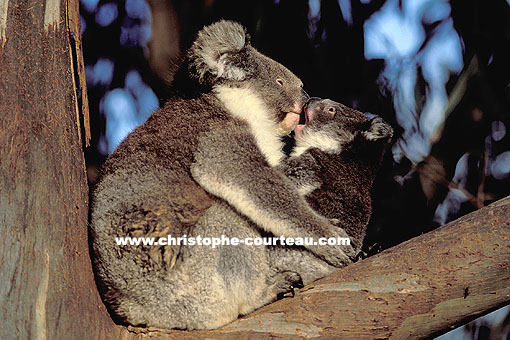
(335, 161)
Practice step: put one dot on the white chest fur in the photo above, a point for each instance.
(316, 139)
(245, 104)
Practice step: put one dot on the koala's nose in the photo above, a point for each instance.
(310, 108)
(312, 101)
(304, 96)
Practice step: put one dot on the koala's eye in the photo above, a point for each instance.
(331, 110)
(280, 82)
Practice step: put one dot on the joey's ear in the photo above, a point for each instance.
(378, 129)
(220, 52)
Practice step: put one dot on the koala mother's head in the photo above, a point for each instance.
(248, 83)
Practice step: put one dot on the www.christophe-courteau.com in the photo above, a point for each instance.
(230, 241)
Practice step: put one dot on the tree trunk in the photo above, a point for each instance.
(47, 289)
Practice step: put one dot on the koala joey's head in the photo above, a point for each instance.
(329, 125)
(222, 59)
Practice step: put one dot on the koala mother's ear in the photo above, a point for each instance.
(220, 52)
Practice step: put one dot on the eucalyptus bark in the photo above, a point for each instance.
(47, 290)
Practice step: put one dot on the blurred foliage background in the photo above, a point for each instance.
(438, 71)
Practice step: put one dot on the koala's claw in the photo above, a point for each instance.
(286, 282)
(360, 256)
(378, 129)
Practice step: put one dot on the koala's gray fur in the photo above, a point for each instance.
(214, 145)
(335, 161)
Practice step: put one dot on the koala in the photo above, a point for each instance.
(215, 143)
(335, 161)
(333, 165)
(336, 157)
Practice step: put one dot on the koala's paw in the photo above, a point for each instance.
(286, 282)
(378, 129)
(338, 255)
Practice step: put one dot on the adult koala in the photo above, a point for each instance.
(333, 166)
(218, 137)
